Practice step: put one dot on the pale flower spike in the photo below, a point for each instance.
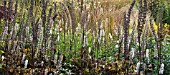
(3, 58)
(23, 57)
(137, 67)
(110, 35)
(147, 53)
(161, 70)
(26, 64)
(133, 52)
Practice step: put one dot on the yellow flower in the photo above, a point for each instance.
(155, 26)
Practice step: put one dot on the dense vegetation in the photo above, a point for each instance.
(85, 37)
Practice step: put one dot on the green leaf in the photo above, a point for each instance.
(1, 52)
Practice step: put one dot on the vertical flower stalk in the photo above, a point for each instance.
(48, 34)
(82, 22)
(14, 24)
(146, 39)
(140, 26)
(40, 38)
(23, 57)
(102, 33)
(43, 16)
(120, 40)
(65, 22)
(10, 30)
(48, 29)
(144, 22)
(126, 27)
(125, 41)
(98, 36)
(53, 38)
(14, 21)
(86, 30)
(9, 12)
(153, 30)
(141, 22)
(132, 35)
(26, 64)
(73, 24)
(34, 33)
(22, 28)
(5, 32)
(147, 55)
(133, 50)
(160, 39)
(138, 67)
(161, 70)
